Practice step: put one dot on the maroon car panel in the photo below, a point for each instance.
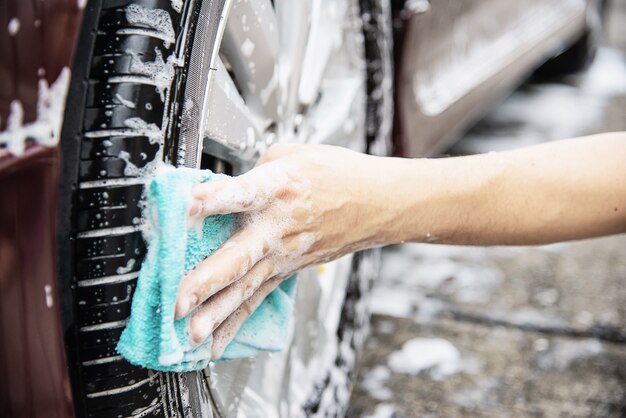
(40, 42)
(34, 379)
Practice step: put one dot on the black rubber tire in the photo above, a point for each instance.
(95, 299)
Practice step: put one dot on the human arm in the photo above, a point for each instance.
(307, 204)
(557, 191)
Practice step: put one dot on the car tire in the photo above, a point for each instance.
(100, 241)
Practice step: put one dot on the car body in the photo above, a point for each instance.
(453, 60)
(456, 59)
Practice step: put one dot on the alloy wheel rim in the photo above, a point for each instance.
(284, 72)
(303, 81)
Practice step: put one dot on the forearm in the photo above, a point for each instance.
(553, 192)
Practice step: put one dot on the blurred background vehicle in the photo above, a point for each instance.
(455, 59)
(212, 84)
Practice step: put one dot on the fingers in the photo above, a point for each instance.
(250, 191)
(229, 195)
(227, 330)
(226, 265)
(217, 308)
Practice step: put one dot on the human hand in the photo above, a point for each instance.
(302, 204)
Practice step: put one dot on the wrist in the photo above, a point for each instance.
(389, 194)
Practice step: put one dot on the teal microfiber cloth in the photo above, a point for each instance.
(153, 338)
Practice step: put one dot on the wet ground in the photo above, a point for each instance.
(509, 332)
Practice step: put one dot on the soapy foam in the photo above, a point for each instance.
(562, 354)
(14, 26)
(157, 19)
(417, 6)
(160, 72)
(374, 383)
(123, 388)
(129, 266)
(145, 32)
(177, 5)
(229, 328)
(49, 296)
(46, 129)
(433, 355)
(221, 305)
(150, 130)
(129, 104)
(383, 410)
(226, 332)
(241, 194)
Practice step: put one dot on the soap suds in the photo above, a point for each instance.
(129, 104)
(177, 5)
(383, 410)
(14, 26)
(433, 355)
(374, 382)
(157, 19)
(46, 128)
(131, 170)
(142, 127)
(417, 6)
(561, 355)
(397, 302)
(129, 266)
(49, 297)
(160, 72)
(226, 301)
(247, 47)
(283, 246)
(134, 127)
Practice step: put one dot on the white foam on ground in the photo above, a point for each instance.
(436, 356)
(532, 317)
(483, 392)
(374, 381)
(411, 272)
(392, 301)
(383, 410)
(428, 310)
(561, 355)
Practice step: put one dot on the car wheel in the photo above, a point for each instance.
(211, 84)
(580, 54)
